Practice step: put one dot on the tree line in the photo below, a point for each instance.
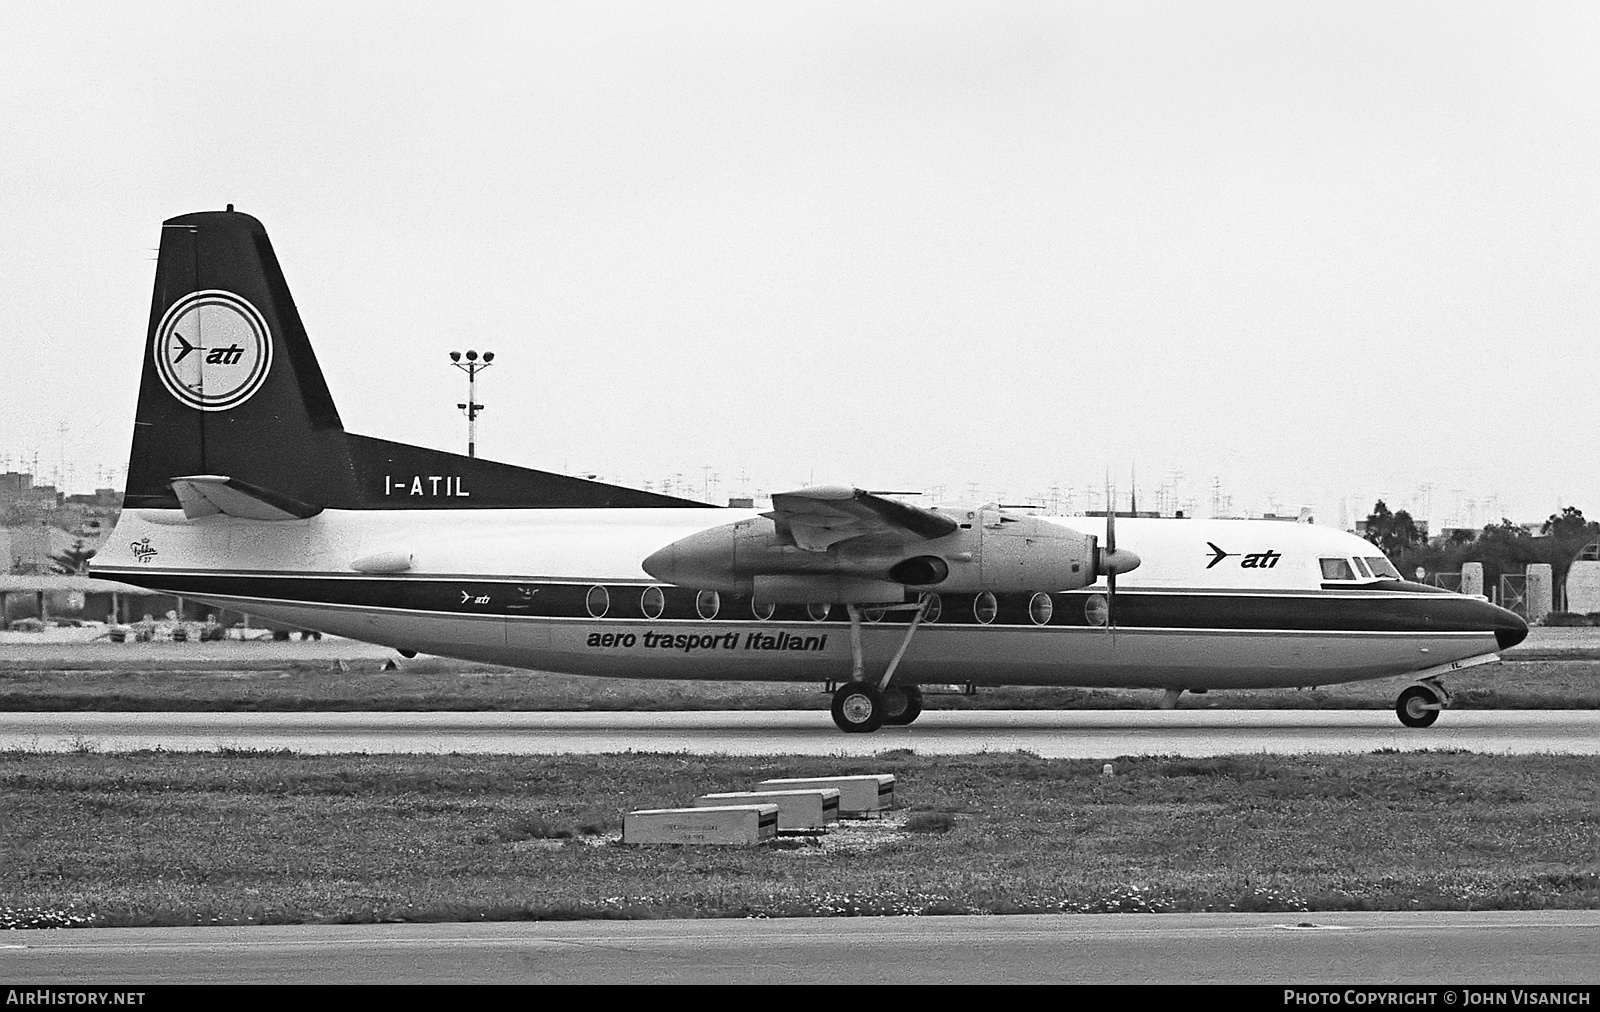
(1505, 547)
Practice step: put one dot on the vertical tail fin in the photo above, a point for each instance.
(230, 385)
(231, 390)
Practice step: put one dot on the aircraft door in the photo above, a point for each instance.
(523, 629)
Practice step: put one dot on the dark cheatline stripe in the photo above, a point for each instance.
(1311, 611)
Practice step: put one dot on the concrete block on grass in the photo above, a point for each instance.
(725, 825)
(800, 811)
(860, 797)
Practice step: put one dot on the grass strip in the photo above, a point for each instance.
(240, 837)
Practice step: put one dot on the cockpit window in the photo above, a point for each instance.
(1361, 567)
(1337, 569)
(1382, 567)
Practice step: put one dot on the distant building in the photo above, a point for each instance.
(14, 484)
(37, 522)
(1305, 516)
(1583, 580)
(55, 597)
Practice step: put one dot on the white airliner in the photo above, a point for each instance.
(245, 491)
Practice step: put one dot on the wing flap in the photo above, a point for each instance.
(817, 518)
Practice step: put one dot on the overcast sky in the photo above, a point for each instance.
(1316, 252)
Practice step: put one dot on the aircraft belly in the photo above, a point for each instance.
(1074, 657)
(1188, 658)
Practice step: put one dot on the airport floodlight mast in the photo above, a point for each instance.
(472, 366)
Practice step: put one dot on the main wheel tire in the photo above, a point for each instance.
(1418, 706)
(902, 705)
(858, 707)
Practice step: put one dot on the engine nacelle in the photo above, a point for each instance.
(1019, 553)
(995, 551)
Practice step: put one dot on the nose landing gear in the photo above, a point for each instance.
(1419, 704)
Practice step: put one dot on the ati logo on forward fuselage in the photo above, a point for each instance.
(212, 350)
(1250, 560)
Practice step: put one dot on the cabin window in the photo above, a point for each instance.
(652, 602)
(985, 607)
(1096, 610)
(818, 612)
(1382, 567)
(706, 603)
(932, 609)
(1040, 608)
(598, 602)
(1337, 569)
(762, 609)
(1361, 567)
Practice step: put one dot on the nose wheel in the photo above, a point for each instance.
(1419, 705)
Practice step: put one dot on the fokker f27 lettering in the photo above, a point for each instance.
(245, 491)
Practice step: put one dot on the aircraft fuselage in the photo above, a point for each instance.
(1218, 603)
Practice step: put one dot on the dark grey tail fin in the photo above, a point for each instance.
(231, 388)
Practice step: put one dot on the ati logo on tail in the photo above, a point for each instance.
(1254, 560)
(212, 350)
(216, 356)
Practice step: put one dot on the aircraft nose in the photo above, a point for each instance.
(1509, 629)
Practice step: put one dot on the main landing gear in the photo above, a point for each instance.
(1419, 704)
(904, 704)
(861, 706)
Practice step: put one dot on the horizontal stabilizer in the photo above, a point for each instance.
(202, 495)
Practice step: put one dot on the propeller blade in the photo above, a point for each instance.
(1111, 554)
(1112, 560)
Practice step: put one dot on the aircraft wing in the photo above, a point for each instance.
(202, 495)
(816, 518)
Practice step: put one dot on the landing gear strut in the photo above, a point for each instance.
(1419, 704)
(861, 705)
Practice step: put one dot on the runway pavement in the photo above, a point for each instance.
(1453, 949)
(1049, 733)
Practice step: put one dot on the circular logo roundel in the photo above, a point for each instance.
(212, 350)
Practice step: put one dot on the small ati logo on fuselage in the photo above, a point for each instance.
(1253, 560)
(212, 350)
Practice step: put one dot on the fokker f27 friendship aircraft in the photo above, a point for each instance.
(245, 491)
